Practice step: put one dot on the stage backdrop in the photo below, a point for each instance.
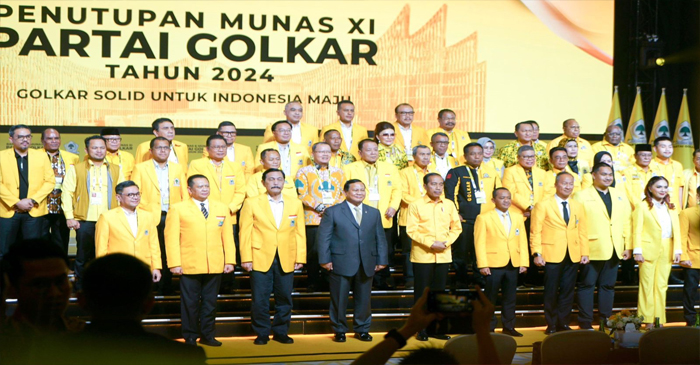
(125, 63)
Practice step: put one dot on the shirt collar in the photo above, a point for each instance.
(353, 206)
(272, 200)
(158, 166)
(404, 128)
(560, 200)
(427, 199)
(506, 213)
(129, 214)
(198, 202)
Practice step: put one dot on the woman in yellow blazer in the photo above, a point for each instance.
(690, 259)
(389, 151)
(656, 242)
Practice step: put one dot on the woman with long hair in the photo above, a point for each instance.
(385, 134)
(656, 240)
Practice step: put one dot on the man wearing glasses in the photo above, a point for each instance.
(235, 152)
(23, 190)
(408, 135)
(115, 155)
(129, 230)
(526, 181)
(622, 153)
(292, 156)
(441, 161)
(302, 133)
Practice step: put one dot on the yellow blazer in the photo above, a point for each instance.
(125, 160)
(388, 182)
(690, 236)
(646, 232)
(69, 158)
(418, 136)
(428, 222)
(494, 247)
(551, 179)
(309, 135)
(523, 195)
(299, 157)
(692, 180)
(622, 154)
(230, 190)
(585, 150)
(411, 189)
(458, 139)
(144, 175)
(113, 235)
(673, 172)
(605, 232)
(143, 153)
(635, 180)
(495, 164)
(261, 239)
(358, 133)
(243, 156)
(199, 245)
(41, 182)
(551, 236)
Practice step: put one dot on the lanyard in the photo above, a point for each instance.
(481, 181)
(94, 182)
(419, 181)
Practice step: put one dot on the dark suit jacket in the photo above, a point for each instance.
(346, 244)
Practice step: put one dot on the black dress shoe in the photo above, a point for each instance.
(363, 336)
(383, 286)
(210, 342)
(674, 280)
(339, 337)
(563, 328)
(261, 340)
(511, 332)
(283, 339)
(191, 341)
(422, 336)
(550, 330)
(440, 337)
(585, 326)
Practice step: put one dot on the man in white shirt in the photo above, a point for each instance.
(441, 161)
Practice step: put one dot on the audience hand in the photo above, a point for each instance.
(420, 317)
(483, 312)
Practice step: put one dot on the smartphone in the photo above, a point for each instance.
(451, 304)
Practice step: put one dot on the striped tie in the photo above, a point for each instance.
(204, 211)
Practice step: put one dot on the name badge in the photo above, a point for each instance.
(480, 197)
(221, 220)
(231, 179)
(176, 182)
(95, 198)
(540, 183)
(145, 233)
(374, 195)
(486, 176)
(327, 197)
(292, 219)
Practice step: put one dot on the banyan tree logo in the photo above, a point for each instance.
(639, 133)
(663, 130)
(685, 135)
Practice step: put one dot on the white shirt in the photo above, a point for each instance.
(231, 153)
(199, 204)
(296, 133)
(347, 135)
(285, 159)
(277, 207)
(561, 207)
(505, 220)
(172, 157)
(664, 221)
(407, 134)
(352, 209)
(133, 221)
(163, 185)
(442, 165)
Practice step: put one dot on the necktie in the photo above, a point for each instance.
(358, 214)
(475, 175)
(529, 178)
(204, 211)
(566, 213)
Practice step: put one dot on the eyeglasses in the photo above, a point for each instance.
(441, 142)
(217, 147)
(407, 113)
(26, 137)
(115, 139)
(529, 157)
(228, 133)
(162, 148)
(133, 195)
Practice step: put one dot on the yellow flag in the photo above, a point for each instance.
(661, 127)
(615, 117)
(683, 144)
(636, 131)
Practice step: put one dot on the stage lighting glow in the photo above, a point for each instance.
(660, 61)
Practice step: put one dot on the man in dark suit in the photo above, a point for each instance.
(352, 246)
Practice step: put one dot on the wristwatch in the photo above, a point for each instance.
(537, 254)
(397, 337)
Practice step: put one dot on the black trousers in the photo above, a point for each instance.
(313, 268)
(198, 305)
(21, 226)
(604, 274)
(281, 284)
(690, 294)
(532, 276)
(85, 239)
(504, 279)
(464, 255)
(434, 276)
(361, 285)
(559, 283)
(628, 275)
(58, 230)
(228, 281)
(165, 285)
(382, 276)
(406, 243)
